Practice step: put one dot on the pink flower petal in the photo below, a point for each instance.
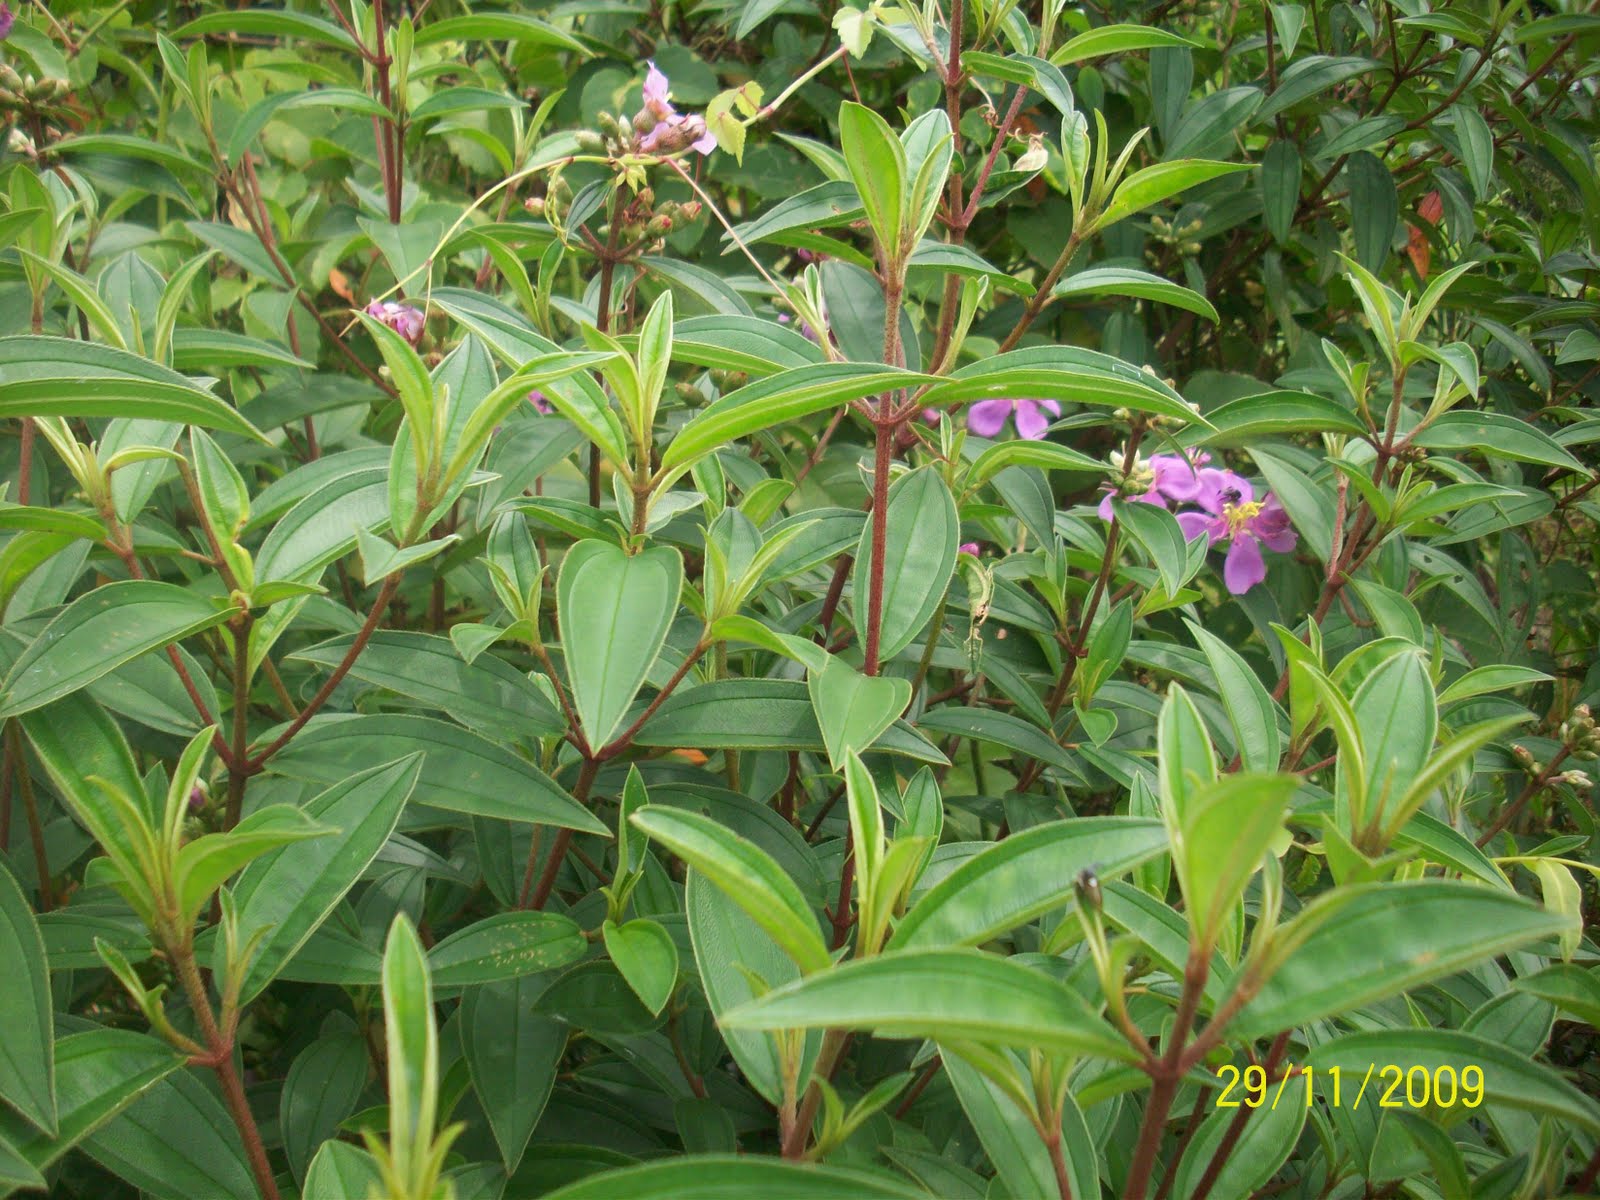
(988, 417)
(657, 92)
(1105, 507)
(1176, 477)
(1244, 567)
(1031, 421)
(1196, 525)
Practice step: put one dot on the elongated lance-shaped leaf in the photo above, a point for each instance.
(961, 994)
(746, 873)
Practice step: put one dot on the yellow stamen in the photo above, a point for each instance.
(1239, 515)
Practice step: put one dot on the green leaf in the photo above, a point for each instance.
(759, 714)
(505, 946)
(1280, 188)
(16, 1171)
(746, 873)
(76, 740)
(614, 611)
(512, 1052)
(1003, 729)
(498, 27)
(1250, 707)
(729, 949)
(957, 994)
(100, 631)
(322, 527)
(1024, 452)
(712, 1177)
(27, 1070)
(287, 893)
(647, 956)
(1509, 1078)
(1158, 531)
(255, 119)
(1123, 281)
(176, 1140)
(1374, 207)
(1186, 762)
(1307, 77)
(1227, 829)
(412, 1040)
(1150, 186)
(877, 163)
(1116, 39)
(1570, 988)
(61, 377)
(1495, 435)
(340, 1171)
(204, 864)
(1396, 721)
(98, 1074)
(923, 530)
(853, 709)
(1063, 373)
(1248, 418)
(1364, 942)
(270, 23)
(1013, 1145)
(1029, 873)
(486, 694)
(463, 772)
(1268, 1138)
(783, 397)
(322, 1088)
(1477, 147)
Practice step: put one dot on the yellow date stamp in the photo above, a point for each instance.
(1387, 1085)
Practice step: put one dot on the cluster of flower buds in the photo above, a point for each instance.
(45, 98)
(1181, 236)
(1579, 736)
(644, 222)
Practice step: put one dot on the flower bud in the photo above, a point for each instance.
(590, 142)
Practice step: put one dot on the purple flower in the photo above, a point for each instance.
(408, 322)
(1233, 514)
(987, 418)
(540, 404)
(197, 798)
(666, 129)
(1168, 477)
(968, 548)
(7, 20)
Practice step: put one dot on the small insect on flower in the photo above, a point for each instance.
(1232, 514)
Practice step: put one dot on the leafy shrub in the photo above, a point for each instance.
(770, 600)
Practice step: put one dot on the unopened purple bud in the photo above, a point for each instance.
(408, 322)
(7, 20)
(969, 548)
(197, 799)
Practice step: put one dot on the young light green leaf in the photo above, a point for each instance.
(614, 610)
(746, 873)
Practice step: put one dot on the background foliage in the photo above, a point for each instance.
(774, 599)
